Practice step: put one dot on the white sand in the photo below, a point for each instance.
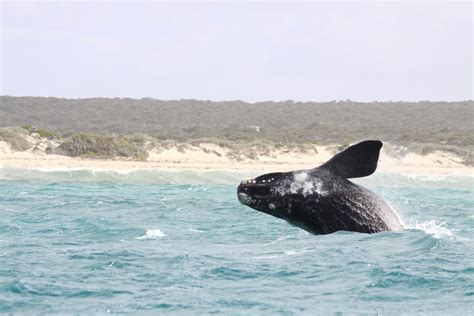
(213, 157)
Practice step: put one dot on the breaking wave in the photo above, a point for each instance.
(437, 229)
(220, 177)
(134, 176)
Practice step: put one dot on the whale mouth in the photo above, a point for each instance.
(254, 190)
(259, 192)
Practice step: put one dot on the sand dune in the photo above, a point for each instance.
(213, 157)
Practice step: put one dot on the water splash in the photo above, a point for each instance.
(434, 228)
(152, 234)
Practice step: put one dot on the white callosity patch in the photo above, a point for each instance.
(305, 188)
(245, 198)
(300, 177)
(302, 183)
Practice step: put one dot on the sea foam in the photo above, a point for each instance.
(152, 234)
(437, 229)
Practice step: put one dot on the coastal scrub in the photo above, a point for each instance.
(16, 137)
(96, 145)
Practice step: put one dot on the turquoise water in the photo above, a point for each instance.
(86, 242)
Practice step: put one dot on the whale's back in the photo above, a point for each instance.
(346, 206)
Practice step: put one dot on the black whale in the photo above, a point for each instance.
(322, 200)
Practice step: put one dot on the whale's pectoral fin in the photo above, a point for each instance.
(357, 161)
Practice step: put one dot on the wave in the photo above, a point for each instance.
(139, 176)
(385, 179)
(410, 180)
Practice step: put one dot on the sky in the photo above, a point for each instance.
(317, 51)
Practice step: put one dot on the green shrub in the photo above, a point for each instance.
(142, 140)
(16, 137)
(95, 145)
(44, 133)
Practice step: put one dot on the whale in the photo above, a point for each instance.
(323, 200)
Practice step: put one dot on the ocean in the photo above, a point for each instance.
(156, 242)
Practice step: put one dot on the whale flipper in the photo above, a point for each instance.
(359, 160)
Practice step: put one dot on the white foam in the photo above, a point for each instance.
(299, 251)
(434, 228)
(197, 230)
(152, 234)
(287, 253)
(279, 240)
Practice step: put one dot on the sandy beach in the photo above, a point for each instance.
(212, 157)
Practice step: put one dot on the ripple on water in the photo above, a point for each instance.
(151, 243)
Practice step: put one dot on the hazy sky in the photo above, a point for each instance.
(251, 51)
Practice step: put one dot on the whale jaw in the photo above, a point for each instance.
(245, 199)
(257, 194)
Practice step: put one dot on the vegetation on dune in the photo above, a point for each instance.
(142, 140)
(16, 137)
(247, 128)
(44, 133)
(96, 145)
(466, 153)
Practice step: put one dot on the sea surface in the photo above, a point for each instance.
(155, 242)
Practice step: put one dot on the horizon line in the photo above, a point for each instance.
(347, 100)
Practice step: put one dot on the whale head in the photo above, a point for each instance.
(279, 193)
(261, 193)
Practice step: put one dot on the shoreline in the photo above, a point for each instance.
(202, 159)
